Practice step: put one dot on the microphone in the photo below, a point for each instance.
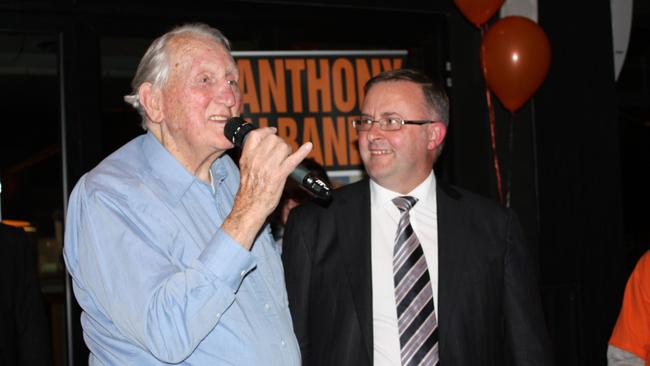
(237, 128)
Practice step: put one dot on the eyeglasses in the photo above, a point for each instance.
(386, 124)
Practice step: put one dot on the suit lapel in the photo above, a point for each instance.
(450, 254)
(353, 223)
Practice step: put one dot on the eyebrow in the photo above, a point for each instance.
(232, 70)
(389, 114)
(383, 115)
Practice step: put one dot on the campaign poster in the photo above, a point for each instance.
(313, 96)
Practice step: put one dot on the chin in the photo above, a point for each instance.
(378, 175)
(223, 143)
(379, 167)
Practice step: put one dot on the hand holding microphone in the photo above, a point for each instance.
(237, 128)
(264, 165)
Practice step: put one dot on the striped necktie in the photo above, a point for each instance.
(416, 318)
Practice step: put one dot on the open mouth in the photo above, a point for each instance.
(218, 118)
(378, 152)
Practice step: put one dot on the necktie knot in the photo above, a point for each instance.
(404, 203)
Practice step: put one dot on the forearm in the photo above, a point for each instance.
(160, 288)
(244, 222)
(166, 309)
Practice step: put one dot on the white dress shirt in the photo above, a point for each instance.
(384, 219)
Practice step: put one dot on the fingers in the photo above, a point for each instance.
(255, 137)
(264, 147)
(292, 161)
(264, 165)
(260, 133)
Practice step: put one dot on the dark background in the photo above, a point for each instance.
(580, 147)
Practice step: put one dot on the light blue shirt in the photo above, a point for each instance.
(159, 282)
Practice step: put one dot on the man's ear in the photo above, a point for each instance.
(152, 101)
(437, 132)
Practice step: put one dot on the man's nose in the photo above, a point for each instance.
(374, 132)
(228, 95)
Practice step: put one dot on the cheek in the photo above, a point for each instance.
(394, 141)
(194, 95)
(200, 99)
(194, 106)
(362, 144)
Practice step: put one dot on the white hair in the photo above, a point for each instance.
(154, 65)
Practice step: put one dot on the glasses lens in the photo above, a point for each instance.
(362, 124)
(390, 124)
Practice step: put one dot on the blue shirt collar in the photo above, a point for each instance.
(172, 175)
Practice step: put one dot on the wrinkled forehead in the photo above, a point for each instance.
(188, 50)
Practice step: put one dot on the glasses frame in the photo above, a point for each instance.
(384, 123)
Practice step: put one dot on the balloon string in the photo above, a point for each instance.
(510, 158)
(497, 167)
(488, 97)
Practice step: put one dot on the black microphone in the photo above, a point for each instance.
(236, 130)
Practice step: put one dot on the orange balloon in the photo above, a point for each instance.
(516, 55)
(478, 11)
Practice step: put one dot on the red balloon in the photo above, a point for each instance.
(478, 11)
(516, 55)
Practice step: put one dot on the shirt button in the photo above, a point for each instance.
(243, 273)
(283, 343)
(267, 307)
(218, 315)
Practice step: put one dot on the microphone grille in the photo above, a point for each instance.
(236, 129)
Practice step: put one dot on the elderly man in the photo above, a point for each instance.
(165, 239)
(403, 269)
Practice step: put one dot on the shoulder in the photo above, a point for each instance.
(342, 198)
(465, 198)
(352, 190)
(120, 176)
(12, 240)
(644, 262)
(124, 167)
(642, 270)
(463, 208)
(313, 214)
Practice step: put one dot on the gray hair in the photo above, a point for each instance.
(434, 94)
(154, 65)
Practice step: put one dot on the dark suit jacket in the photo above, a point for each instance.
(489, 308)
(24, 334)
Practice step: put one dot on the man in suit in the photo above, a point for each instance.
(25, 332)
(455, 286)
